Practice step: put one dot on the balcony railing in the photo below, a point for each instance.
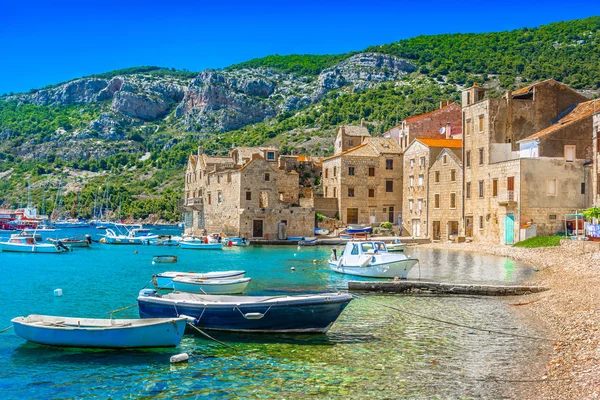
(508, 197)
(193, 201)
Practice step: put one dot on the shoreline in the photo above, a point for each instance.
(569, 314)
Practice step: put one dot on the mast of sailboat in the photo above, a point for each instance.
(107, 198)
(119, 215)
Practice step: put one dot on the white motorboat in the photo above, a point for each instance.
(371, 259)
(165, 279)
(210, 286)
(396, 245)
(206, 243)
(22, 243)
(128, 234)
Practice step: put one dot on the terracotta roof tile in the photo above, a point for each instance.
(581, 111)
(447, 143)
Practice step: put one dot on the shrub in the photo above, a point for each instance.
(386, 225)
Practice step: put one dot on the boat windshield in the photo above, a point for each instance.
(367, 247)
(380, 246)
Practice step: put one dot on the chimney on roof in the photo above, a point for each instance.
(443, 103)
(343, 128)
(362, 122)
(448, 130)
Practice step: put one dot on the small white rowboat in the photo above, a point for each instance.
(210, 286)
(101, 333)
(165, 279)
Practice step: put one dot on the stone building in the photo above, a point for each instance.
(523, 159)
(443, 122)
(445, 196)
(366, 179)
(418, 158)
(244, 194)
(349, 136)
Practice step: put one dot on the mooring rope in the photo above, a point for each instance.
(5, 329)
(121, 309)
(452, 323)
(210, 337)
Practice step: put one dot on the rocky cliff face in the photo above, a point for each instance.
(214, 101)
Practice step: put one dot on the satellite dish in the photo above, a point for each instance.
(442, 130)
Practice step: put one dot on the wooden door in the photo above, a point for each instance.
(257, 228)
(352, 215)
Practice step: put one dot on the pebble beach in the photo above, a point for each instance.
(569, 312)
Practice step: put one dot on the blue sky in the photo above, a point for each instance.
(50, 42)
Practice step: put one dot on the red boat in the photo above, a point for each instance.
(23, 218)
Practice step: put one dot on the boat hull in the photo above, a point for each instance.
(311, 314)
(393, 269)
(158, 333)
(123, 240)
(201, 246)
(220, 286)
(165, 280)
(396, 247)
(28, 248)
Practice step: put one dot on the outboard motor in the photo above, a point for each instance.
(334, 253)
(60, 245)
(88, 238)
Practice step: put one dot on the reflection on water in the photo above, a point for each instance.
(371, 351)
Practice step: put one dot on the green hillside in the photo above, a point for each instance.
(567, 51)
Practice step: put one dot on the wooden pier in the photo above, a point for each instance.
(422, 287)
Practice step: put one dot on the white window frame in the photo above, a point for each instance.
(548, 181)
(567, 148)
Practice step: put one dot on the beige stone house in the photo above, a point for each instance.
(523, 159)
(446, 122)
(244, 194)
(445, 203)
(349, 136)
(418, 158)
(365, 179)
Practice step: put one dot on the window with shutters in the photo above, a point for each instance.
(437, 176)
(351, 171)
(371, 171)
(436, 200)
(480, 189)
(468, 190)
(452, 175)
(350, 192)
(389, 186)
(371, 192)
(453, 200)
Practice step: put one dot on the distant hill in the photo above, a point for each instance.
(137, 126)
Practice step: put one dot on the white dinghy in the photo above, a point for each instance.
(165, 280)
(210, 286)
(371, 259)
(100, 333)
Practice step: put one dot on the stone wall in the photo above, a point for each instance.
(288, 186)
(325, 206)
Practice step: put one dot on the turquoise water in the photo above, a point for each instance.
(371, 352)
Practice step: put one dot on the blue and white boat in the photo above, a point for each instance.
(194, 243)
(164, 280)
(352, 229)
(311, 313)
(371, 259)
(321, 231)
(308, 242)
(101, 333)
(237, 241)
(210, 286)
